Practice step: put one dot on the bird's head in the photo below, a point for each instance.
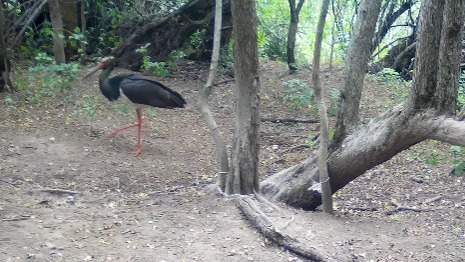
(102, 65)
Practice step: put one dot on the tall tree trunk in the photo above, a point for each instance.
(58, 36)
(356, 67)
(221, 150)
(292, 33)
(5, 82)
(333, 36)
(243, 178)
(70, 15)
(397, 129)
(321, 96)
(83, 16)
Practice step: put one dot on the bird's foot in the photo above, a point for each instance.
(138, 150)
(118, 131)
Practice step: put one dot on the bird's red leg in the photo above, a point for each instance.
(119, 130)
(139, 132)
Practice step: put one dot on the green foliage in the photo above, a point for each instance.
(46, 79)
(461, 93)
(458, 156)
(433, 158)
(159, 68)
(196, 39)
(393, 80)
(298, 94)
(78, 40)
(459, 169)
(334, 102)
(272, 30)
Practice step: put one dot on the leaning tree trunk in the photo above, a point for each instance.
(356, 67)
(292, 33)
(243, 178)
(169, 33)
(425, 116)
(58, 36)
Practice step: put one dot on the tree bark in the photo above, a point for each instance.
(169, 33)
(221, 150)
(450, 56)
(427, 54)
(356, 67)
(243, 178)
(321, 96)
(397, 129)
(292, 33)
(58, 36)
(83, 16)
(70, 14)
(5, 82)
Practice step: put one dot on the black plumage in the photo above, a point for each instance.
(140, 90)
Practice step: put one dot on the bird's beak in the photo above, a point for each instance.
(92, 71)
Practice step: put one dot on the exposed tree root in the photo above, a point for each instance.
(58, 191)
(252, 211)
(288, 120)
(400, 208)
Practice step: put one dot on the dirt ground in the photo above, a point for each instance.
(69, 193)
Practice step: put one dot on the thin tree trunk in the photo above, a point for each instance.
(58, 36)
(5, 82)
(83, 16)
(243, 178)
(333, 37)
(321, 96)
(356, 67)
(221, 151)
(292, 33)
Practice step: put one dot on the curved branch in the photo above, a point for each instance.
(448, 130)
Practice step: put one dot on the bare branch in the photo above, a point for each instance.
(448, 130)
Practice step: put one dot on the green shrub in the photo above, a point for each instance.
(298, 94)
(46, 79)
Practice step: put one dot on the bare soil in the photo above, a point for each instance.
(69, 193)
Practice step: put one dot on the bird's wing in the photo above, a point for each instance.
(145, 91)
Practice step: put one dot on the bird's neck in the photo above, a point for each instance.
(104, 75)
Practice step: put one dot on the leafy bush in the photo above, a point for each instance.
(458, 155)
(298, 94)
(46, 79)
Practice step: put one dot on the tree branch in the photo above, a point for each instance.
(448, 130)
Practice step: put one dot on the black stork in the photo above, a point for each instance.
(139, 90)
